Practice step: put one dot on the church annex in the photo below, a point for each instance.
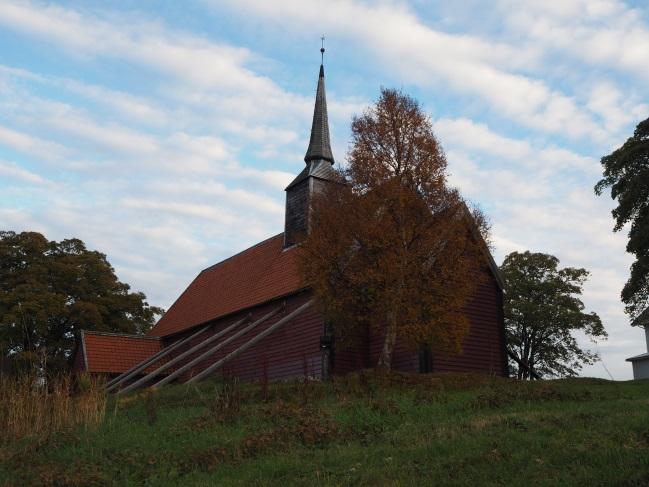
(250, 316)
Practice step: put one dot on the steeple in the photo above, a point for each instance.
(319, 145)
(318, 172)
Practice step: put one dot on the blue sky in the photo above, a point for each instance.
(163, 133)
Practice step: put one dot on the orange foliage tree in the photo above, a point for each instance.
(393, 247)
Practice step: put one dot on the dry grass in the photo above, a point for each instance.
(31, 409)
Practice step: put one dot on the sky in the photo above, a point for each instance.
(163, 133)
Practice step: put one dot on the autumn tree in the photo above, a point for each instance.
(543, 309)
(626, 172)
(49, 291)
(392, 247)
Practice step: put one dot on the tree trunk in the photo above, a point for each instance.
(385, 360)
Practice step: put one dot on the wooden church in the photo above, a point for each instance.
(251, 316)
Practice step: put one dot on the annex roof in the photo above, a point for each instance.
(115, 352)
(259, 274)
(637, 358)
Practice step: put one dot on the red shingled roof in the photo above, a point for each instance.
(115, 353)
(254, 276)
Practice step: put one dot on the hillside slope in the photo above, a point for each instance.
(363, 429)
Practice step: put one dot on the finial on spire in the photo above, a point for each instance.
(322, 49)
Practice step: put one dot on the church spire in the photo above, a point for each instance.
(315, 176)
(319, 145)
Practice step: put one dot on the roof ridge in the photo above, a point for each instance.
(125, 335)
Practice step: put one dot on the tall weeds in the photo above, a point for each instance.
(30, 408)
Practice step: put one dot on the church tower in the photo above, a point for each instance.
(317, 173)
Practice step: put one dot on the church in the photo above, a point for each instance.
(251, 316)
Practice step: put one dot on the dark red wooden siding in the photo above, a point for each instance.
(483, 348)
(291, 351)
(404, 356)
(351, 354)
(294, 350)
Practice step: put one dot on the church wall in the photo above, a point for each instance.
(483, 349)
(351, 353)
(292, 351)
(404, 357)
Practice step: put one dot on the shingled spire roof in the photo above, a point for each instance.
(319, 158)
(319, 146)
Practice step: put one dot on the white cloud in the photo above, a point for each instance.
(616, 108)
(600, 32)
(206, 212)
(217, 71)
(275, 179)
(189, 57)
(29, 144)
(61, 118)
(13, 171)
(108, 135)
(487, 69)
(203, 146)
(544, 159)
(219, 194)
(133, 107)
(471, 178)
(130, 106)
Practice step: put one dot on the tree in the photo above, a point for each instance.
(392, 246)
(542, 308)
(49, 291)
(626, 172)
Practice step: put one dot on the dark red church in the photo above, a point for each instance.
(251, 316)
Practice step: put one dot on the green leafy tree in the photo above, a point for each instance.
(542, 310)
(626, 172)
(50, 291)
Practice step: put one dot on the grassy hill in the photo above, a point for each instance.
(362, 429)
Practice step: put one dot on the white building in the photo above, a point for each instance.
(641, 362)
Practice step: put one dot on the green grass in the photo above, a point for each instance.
(359, 430)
